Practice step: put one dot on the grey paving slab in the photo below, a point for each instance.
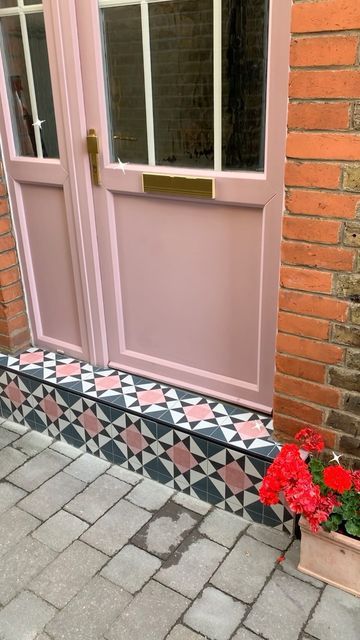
(269, 536)
(151, 614)
(102, 494)
(71, 570)
(87, 467)
(38, 469)
(125, 475)
(24, 617)
(193, 504)
(9, 495)
(7, 437)
(246, 568)
(131, 568)
(24, 561)
(32, 443)
(15, 427)
(180, 632)
(43, 636)
(150, 495)
(14, 525)
(60, 530)
(166, 530)
(282, 608)
(10, 459)
(52, 495)
(113, 530)
(245, 634)
(289, 565)
(337, 615)
(215, 614)
(223, 527)
(66, 449)
(192, 565)
(90, 613)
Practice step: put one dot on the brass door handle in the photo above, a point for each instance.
(93, 151)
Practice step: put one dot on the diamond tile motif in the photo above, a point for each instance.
(206, 448)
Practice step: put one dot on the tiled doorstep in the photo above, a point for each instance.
(187, 459)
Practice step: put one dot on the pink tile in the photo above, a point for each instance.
(14, 394)
(181, 457)
(198, 412)
(234, 477)
(51, 408)
(31, 358)
(251, 430)
(72, 369)
(108, 382)
(134, 439)
(90, 422)
(152, 396)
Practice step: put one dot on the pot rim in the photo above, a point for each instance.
(337, 538)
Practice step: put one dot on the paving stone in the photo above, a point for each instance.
(166, 530)
(10, 459)
(90, 613)
(71, 570)
(32, 443)
(193, 504)
(150, 495)
(180, 632)
(113, 530)
(87, 467)
(66, 449)
(283, 607)
(223, 527)
(7, 437)
(24, 617)
(192, 565)
(52, 495)
(245, 634)
(14, 525)
(337, 615)
(43, 636)
(215, 614)
(289, 565)
(38, 469)
(22, 563)
(131, 568)
(102, 494)
(269, 536)
(150, 615)
(15, 427)
(60, 531)
(9, 495)
(125, 475)
(246, 568)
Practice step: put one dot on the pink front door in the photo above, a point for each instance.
(177, 88)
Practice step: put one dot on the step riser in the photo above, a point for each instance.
(175, 457)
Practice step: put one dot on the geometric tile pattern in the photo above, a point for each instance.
(208, 449)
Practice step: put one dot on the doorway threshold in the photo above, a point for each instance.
(209, 449)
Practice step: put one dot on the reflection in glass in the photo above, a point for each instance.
(124, 75)
(18, 88)
(5, 4)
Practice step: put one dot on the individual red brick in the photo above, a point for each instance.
(322, 203)
(9, 276)
(310, 349)
(312, 174)
(328, 51)
(319, 115)
(340, 83)
(12, 309)
(13, 324)
(323, 146)
(5, 225)
(3, 190)
(313, 305)
(306, 279)
(296, 409)
(303, 326)
(311, 229)
(300, 368)
(12, 292)
(288, 427)
(7, 242)
(309, 391)
(8, 259)
(328, 15)
(4, 206)
(316, 255)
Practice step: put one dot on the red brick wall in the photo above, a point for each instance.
(318, 348)
(14, 326)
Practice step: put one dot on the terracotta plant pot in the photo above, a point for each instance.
(331, 557)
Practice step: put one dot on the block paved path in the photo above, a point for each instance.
(91, 551)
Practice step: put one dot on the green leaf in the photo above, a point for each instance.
(353, 527)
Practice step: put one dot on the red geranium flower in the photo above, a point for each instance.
(356, 479)
(337, 478)
(311, 441)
